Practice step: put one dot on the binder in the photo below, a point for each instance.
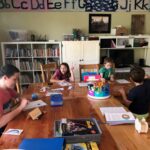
(42, 143)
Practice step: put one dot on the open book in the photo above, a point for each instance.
(112, 110)
(117, 115)
(119, 118)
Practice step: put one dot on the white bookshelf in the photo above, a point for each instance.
(139, 43)
(27, 56)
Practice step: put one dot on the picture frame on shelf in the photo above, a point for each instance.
(99, 23)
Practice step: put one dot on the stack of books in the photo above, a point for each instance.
(117, 115)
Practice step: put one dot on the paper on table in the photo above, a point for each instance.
(83, 84)
(13, 131)
(70, 87)
(122, 81)
(34, 104)
(117, 70)
(57, 89)
(52, 92)
(112, 110)
(64, 83)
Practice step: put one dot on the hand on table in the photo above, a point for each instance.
(23, 103)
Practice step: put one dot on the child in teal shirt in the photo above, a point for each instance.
(107, 72)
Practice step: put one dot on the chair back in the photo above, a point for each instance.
(47, 70)
(18, 87)
(88, 68)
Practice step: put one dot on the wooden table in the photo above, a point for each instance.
(76, 105)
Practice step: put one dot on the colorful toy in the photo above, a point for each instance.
(92, 78)
(99, 90)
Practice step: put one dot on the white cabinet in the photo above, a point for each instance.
(139, 43)
(27, 56)
(80, 52)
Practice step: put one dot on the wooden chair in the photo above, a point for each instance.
(47, 71)
(88, 68)
(18, 87)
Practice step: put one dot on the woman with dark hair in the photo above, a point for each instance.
(64, 73)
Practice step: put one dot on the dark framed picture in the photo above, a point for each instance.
(99, 23)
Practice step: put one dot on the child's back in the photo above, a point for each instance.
(140, 98)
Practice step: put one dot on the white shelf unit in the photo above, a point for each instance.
(139, 43)
(27, 56)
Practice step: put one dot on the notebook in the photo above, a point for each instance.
(119, 118)
(34, 104)
(42, 144)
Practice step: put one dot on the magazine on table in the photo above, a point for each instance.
(70, 127)
(120, 118)
(82, 146)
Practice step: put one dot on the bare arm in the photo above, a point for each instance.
(72, 78)
(112, 78)
(102, 79)
(54, 78)
(4, 119)
(124, 97)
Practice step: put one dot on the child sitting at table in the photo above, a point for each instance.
(138, 98)
(64, 73)
(107, 72)
(8, 76)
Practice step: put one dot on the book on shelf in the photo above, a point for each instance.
(82, 146)
(26, 78)
(25, 52)
(38, 52)
(26, 65)
(37, 63)
(54, 51)
(14, 62)
(38, 77)
(11, 52)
